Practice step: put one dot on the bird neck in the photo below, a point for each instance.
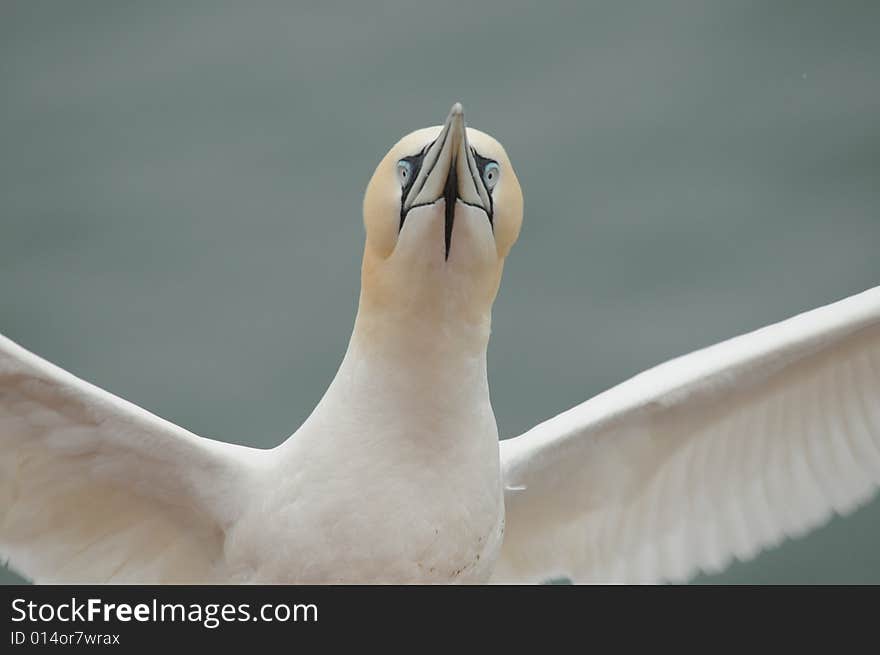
(409, 378)
(440, 333)
(427, 357)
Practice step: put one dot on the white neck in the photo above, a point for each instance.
(410, 377)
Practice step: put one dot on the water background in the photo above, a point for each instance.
(180, 189)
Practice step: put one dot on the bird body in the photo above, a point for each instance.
(389, 479)
(398, 474)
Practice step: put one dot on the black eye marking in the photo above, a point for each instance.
(415, 163)
(482, 162)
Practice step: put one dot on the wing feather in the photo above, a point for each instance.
(714, 455)
(95, 489)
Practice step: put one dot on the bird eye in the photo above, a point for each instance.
(404, 171)
(490, 175)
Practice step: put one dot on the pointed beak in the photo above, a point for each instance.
(449, 172)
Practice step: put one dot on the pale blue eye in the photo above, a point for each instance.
(490, 175)
(404, 171)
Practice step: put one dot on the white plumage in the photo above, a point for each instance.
(95, 489)
(716, 454)
(397, 475)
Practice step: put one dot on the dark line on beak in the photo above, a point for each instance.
(450, 194)
(433, 164)
(478, 182)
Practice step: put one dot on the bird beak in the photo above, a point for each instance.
(449, 172)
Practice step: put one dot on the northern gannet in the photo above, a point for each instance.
(398, 475)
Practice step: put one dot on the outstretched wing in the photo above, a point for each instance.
(713, 455)
(95, 489)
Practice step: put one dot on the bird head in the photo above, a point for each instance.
(442, 211)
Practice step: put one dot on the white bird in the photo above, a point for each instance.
(397, 475)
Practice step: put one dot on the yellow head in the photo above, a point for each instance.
(442, 211)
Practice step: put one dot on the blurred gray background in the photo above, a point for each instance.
(180, 189)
